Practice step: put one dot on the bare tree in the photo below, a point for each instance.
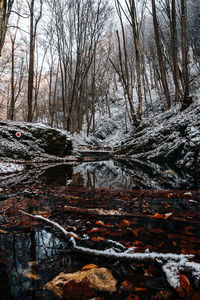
(160, 56)
(5, 11)
(33, 29)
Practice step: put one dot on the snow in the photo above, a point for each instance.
(8, 167)
(171, 263)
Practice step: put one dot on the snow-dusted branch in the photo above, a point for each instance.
(172, 264)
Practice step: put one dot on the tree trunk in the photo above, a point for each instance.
(175, 52)
(31, 63)
(160, 57)
(187, 100)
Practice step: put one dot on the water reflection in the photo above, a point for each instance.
(125, 174)
(117, 175)
(30, 260)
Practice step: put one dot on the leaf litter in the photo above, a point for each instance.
(152, 242)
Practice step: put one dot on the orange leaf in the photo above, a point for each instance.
(97, 230)
(135, 232)
(127, 286)
(188, 251)
(140, 289)
(89, 267)
(168, 216)
(74, 236)
(125, 223)
(97, 238)
(158, 216)
(100, 223)
(184, 286)
(170, 195)
(137, 243)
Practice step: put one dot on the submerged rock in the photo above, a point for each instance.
(99, 279)
(28, 141)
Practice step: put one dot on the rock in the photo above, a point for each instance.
(28, 141)
(170, 138)
(100, 280)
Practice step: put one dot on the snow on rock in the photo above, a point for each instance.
(28, 141)
(172, 137)
(8, 167)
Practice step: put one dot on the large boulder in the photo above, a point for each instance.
(101, 280)
(28, 141)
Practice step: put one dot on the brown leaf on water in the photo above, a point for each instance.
(140, 289)
(125, 223)
(127, 286)
(185, 287)
(135, 232)
(170, 195)
(97, 238)
(100, 223)
(158, 216)
(162, 216)
(188, 251)
(102, 229)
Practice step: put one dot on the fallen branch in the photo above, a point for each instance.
(171, 263)
(98, 211)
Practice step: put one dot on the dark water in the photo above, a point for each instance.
(107, 174)
(29, 258)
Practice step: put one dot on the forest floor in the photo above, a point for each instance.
(138, 228)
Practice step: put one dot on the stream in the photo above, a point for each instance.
(32, 253)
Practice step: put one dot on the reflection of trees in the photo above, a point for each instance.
(28, 255)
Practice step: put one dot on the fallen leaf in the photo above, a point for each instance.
(170, 195)
(100, 223)
(135, 232)
(140, 289)
(127, 286)
(97, 238)
(74, 236)
(137, 243)
(166, 216)
(184, 287)
(89, 267)
(125, 223)
(188, 251)
(102, 229)
(158, 216)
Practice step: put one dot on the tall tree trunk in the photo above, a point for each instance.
(137, 56)
(31, 63)
(187, 100)
(12, 102)
(5, 10)
(160, 57)
(175, 52)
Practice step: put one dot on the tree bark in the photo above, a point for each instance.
(31, 63)
(160, 57)
(187, 100)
